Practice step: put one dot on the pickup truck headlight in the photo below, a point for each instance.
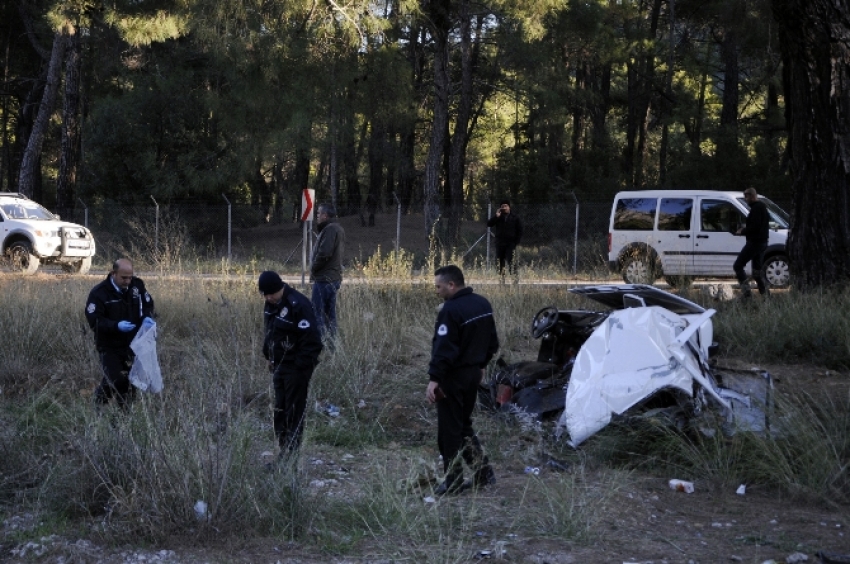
(48, 234)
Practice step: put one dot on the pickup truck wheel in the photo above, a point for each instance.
(776, 271)
(21, 258)
(639, 269)
(78, 267)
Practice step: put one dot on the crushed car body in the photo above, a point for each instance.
(648, 356)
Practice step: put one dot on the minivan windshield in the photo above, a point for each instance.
(779, 218)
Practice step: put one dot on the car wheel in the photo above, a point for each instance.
(639, 270)
(776, 271)
(78, 267)
(679, 281)
(21, 258)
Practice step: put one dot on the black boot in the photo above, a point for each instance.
(484, 477)
(452, 485)
(473, 455)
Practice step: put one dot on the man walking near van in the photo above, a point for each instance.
(757, 232)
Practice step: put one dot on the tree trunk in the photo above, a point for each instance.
(667, 102)
(377, 142)
(641, 83)
(32, 154)
(440, 22)
(460, 139)
(815, 42)
(66, 182)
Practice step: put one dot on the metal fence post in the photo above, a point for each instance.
(229, 226)
(156, 226)
(85, 213)
(575, 240)
(397, 225)
(489, 211)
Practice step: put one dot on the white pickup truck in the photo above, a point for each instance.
(30, 236)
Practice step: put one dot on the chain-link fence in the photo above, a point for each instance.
(562, 237)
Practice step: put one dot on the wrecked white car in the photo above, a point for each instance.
(647, 357)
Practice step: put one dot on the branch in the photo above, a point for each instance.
(42, 52)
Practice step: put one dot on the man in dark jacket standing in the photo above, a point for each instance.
(508, 231)
(757, 232)
(115, 310)
(326, 267)
(464, 341)
(292, 345)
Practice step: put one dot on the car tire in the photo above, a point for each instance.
(21, 258)
(679, 281)
(78, 267)
(776, 271)
(639, 269)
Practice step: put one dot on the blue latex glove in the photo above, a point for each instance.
(126, 326)
(148, 322)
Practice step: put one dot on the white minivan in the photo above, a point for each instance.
(680, 234)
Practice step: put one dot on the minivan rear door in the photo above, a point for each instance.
(674, 235)
(715, 244)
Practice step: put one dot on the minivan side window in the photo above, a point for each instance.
(719, 216)
(674, 214)
(635, 214)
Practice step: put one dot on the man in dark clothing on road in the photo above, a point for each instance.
(464, 341)
(757, 232)
(508, 231)
(326, 267)
(292, 345)
(115, 310)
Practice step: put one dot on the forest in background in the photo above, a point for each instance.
(432, 105)
(431, 102)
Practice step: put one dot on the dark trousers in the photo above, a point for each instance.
(505, 254)
(752, 251)
(290, 402)
(324, 305)
(456, 438)
(115, 383)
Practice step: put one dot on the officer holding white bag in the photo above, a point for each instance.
(116, 309)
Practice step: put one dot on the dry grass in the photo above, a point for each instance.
(203, 437)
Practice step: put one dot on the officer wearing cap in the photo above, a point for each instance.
(292, 345)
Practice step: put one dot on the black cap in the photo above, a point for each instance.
(504, 203)
(270, 283)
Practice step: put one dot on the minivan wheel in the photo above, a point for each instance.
(21, 258)
(776, 271)
(639, 270)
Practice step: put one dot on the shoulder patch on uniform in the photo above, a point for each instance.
(442, 330)
(91, 307)
(303, 324)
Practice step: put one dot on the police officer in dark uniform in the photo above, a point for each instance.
(464, 341)
(115, 311)
(292, 345)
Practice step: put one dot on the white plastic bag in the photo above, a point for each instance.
(145, 373)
